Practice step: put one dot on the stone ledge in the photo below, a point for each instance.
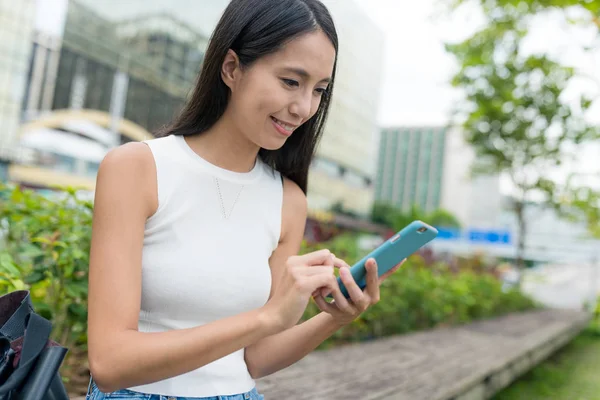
(470, 362)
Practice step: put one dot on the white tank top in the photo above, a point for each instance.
(205, 256)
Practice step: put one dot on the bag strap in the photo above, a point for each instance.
(36, 338)
(43, 382)
(15, 325)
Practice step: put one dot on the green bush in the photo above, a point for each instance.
(44, 247)
(422, 296)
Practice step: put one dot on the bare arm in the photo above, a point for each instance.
(120, 356)
(279, 351)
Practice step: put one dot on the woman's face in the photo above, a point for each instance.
(281, 91)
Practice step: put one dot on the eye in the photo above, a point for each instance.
(290, 82)
(321, 91)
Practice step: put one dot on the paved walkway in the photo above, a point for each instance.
(441, 364)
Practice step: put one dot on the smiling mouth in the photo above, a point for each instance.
(284, 128)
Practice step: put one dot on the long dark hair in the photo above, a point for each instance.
(253, 29)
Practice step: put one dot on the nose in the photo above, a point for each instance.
(302, 105)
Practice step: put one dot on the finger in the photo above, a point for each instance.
(329, 285)
(340, 300)
(315, 283)
(316, 270)
(325, 306)
(339, 263)
(326, 291)
(372, 281)
(330, 260)
(316, 257)
(391, 271)
(354, 291)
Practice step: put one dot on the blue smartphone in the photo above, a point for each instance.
(392, 252)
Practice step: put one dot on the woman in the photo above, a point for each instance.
(195, 286)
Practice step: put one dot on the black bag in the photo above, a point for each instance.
(29, 360)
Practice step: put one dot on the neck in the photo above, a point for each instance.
(224, 146)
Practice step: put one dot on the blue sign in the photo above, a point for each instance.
(475, 235)
(448, 234)
(494, 237)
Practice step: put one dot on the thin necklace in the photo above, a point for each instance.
(225, 215)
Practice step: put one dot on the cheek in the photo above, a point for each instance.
(262, 100)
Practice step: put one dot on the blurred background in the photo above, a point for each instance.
(478, 117)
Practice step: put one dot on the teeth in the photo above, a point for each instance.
(288, 128)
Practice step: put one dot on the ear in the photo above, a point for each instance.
(230, 69)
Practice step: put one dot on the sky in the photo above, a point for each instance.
(416, 67)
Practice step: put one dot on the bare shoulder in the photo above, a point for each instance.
(135, 155)
(294, 201)
(127, 169)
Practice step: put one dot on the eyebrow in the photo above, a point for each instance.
(304, 74)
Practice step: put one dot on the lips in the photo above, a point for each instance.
(282, 127)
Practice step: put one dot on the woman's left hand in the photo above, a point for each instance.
(360, 300)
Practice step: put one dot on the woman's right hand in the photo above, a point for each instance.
(303, 276)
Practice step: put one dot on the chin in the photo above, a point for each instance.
(273, 144)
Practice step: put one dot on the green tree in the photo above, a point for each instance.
(384, 214)
(403, 218)
(513, 113)
(442, 218)
(397, 219)
(524, 8)
(579, 203)
(337, 207)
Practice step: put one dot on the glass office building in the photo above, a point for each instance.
(410, 167)
(158, 66)
(16, 30)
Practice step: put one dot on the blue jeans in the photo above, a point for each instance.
(95, 394)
